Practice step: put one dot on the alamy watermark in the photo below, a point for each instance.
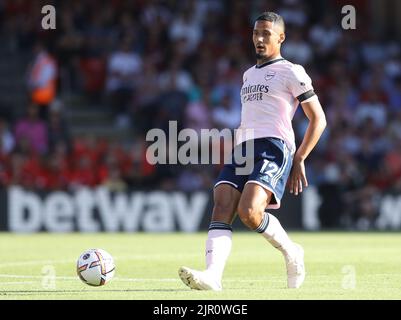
(189, 146)
(349, 278)
(49, 277)
(349, 20)
(49, 20)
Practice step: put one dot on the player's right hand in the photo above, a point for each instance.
(298, 177)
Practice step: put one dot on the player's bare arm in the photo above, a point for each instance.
(317, 122)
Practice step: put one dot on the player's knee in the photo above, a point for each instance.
(222, 212)
(249, 216)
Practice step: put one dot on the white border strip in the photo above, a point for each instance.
(225, 181)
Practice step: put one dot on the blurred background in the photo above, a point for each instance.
(76, 102)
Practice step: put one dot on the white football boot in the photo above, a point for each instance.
(199, 280)
(295, 268)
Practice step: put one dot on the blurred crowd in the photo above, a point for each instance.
(151, 61)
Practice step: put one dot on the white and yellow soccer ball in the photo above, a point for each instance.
(95, 267)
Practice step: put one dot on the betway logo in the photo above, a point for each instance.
(91, 210)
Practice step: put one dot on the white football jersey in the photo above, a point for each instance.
(270, 95)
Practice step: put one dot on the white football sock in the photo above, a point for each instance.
(218, 248)
(271, 229)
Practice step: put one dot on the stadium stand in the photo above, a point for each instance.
(125, 67)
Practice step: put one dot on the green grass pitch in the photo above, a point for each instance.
(339, 266)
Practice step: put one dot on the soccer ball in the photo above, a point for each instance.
(95, 267)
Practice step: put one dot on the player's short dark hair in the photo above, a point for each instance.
(272, 17)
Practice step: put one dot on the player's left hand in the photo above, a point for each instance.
(298, 176)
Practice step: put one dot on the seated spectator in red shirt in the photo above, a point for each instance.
(93, 70)
(140, 173)
(55, 173)
(25, 170)
(4, 167)
(111, 175)
(84, 173)
(89, 146)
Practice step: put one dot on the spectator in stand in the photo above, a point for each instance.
(56, 173)
(152, 78)
(145, 103)
(25, 170)
(175, 78)
(226, 114)
(184, 26)
(372, 49)
(175, 84)
(296, 49)
(394, 126)
(294, 13)
(32, 130)
(6, 146)
(57, 167)
(140, 173)
(42, 79)
(58, 128)
(112, 174)
(124, 67)
(392, 163)
(17, 174)
(325, 35)
(84, 173)
(88, 147)
(394, 94)
(69, 47)
(373, 105)
(93, 72)
(193, 178)
(392, 66)
(197, 113)
(7, 140)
